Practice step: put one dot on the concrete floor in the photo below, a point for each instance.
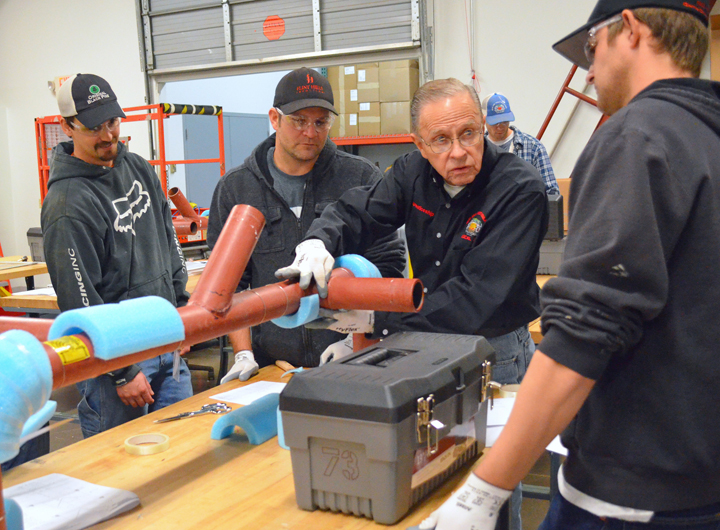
(533, 510)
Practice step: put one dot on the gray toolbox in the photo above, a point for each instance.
(373, 433)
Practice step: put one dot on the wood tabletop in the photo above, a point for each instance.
(203, 483)
(49, 303)
(21, 272)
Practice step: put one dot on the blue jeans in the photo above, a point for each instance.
(101, 409)
(513, 352)
(563, 514)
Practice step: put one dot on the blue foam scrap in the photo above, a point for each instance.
(13, 515)
(25, 385)
(258, 420)
(361, 267)
(308, 311)
(121, 329)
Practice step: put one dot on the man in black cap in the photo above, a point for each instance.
(108, 236)
(628, 362)
(291, 177)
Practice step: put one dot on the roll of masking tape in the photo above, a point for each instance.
(151, 443)
(509, 391)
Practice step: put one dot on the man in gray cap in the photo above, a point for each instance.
(291, 177)
(628, 365)
(108, 237)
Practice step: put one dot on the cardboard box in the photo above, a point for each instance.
(564, 185)
(348, 102)
(395, 118)
(369, 119)
(342, 78)
(398, 84)
(368, 82)
(345, 125)
(406, 63)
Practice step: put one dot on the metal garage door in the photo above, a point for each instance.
(202, 35)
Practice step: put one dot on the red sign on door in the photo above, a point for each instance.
(273, 27)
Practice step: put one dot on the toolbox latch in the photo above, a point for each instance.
(487, 385)
(427, 428)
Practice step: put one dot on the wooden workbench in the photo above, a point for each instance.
(47, 303)
(200, 483)
(26, 271)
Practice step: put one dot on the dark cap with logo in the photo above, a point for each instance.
(303, 88)
(90, 98)
(572, 46)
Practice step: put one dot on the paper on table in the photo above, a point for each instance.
(247, 394)
(59, 502)
(195, 266)
(498, 417)
(44, 291)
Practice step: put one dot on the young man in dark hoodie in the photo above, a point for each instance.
(629, 354)
(291, 177)
(108, 236)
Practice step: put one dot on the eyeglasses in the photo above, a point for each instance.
(111, 125)
(592, 42)
(301, 122)
(442, 144)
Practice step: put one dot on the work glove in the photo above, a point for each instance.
(312, 260)
(475, 506)
(353, 321)
(244, 367)
(337, 350)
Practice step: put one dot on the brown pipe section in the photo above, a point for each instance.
(184, 226)
(38, 327)
(227, 263)
(183, 206)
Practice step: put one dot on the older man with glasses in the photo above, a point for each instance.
(291, 178)
(108, 237)
(474, 219)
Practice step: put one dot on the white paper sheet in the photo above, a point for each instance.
(498, 417)
(44, 291)
(195, 267)
(247, 394)
(59, 502)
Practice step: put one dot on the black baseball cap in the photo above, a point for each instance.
(90, 98)
(303, 88)
(572, 46)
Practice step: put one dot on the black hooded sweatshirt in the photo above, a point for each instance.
(636, 304)
(108, 233)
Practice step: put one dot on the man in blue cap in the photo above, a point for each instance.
(628, 366)
(498, 116)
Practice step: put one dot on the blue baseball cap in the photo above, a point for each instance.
(496, 109)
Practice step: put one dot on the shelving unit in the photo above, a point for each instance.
(374, 140)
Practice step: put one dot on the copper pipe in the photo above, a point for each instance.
(38, 327)
(378, 294)
(230, 256)
(184, 226)
(556, 103)
(185, 209)
(360, 342)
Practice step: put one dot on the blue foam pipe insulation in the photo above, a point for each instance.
(13, 515)
(308, 311)
(25, 386)
(359, 266)
(258, 420)
(120, 329)
(40, 418)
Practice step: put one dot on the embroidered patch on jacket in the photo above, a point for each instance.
(473, 226)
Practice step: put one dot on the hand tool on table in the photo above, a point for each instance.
(213, 408)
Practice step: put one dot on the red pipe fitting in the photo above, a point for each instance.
(185, 209)
(184, 226)
(228, 260)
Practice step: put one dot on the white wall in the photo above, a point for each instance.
(39, 40)
(513, 55)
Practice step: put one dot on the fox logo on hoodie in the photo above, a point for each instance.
(131, 207)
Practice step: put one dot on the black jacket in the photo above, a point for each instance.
(477, 254)
(108, 234)
(637, 300)
(251, 183)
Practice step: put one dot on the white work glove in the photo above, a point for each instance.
(337, 350)
(312, 260)
(475, 506)
(353, 321)
(244, 367)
